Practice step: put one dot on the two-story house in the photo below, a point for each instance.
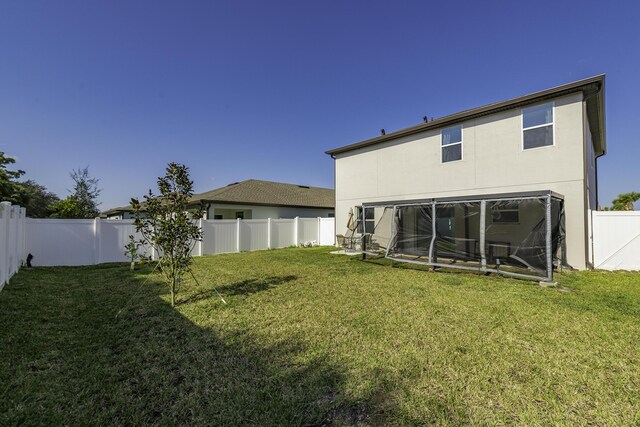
(545, 144)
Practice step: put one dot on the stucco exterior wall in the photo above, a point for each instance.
(264, 212)
(253, 212)
(121, 215)
(493, 162)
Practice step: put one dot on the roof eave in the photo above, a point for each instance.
(228, 202)
(580, 85)
(597, 119)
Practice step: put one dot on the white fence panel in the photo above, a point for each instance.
(616, 240)
(87, 241)
(5, 244)
(112, 236)
(283, 233)
(327, 232)
(12, 246)
(61, 241)
(254, 234)
(219, 236)
(307, 230)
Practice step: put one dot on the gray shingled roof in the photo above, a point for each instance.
(267, 193)
(256, 192)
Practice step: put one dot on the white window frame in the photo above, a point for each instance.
(359, 210)
(453, 143)
(552, 124)
(516, 209)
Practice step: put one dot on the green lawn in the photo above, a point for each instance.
(309, 338)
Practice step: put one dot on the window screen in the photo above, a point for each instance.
(452, 144)
(506, 213)
(537, 126)
(370, 220)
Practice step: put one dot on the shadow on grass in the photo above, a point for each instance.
(253, 286)
(73, 361)
(242, 288)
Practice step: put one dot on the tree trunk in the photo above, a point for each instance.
(133, 266)
(172, 287)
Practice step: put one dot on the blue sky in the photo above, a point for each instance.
(241, 89)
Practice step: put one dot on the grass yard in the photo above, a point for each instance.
(309, 338)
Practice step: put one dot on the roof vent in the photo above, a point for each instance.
(382, 132)
(233, 183)
(303, 186)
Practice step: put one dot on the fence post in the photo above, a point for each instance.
(199, 242)
(268, 233)
(18, 238)
(296, 228)
(15, 264)
(96, 240)
(23, 235)
(5, 213)
(591, 242)
(319, 231)
(13, 242)
(238, 234)
(596, 232)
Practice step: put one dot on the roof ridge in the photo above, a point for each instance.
(283, 183)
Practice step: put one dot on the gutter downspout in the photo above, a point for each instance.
(335, 202)
(588, 217)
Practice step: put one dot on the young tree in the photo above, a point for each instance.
(132, 251)
(83, 201)
(624, 202)
(10, 190)
(167, 226)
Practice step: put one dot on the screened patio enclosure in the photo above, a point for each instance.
(518, 234)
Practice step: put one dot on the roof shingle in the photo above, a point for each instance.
(266, 193)
(256, 192)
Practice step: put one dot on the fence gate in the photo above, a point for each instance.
(615, 240)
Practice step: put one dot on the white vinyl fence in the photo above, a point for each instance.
(78, 241)
(615, 240)
(94, 241)
(12, 240)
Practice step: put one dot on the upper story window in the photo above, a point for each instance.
(452, 144)
(537, 126)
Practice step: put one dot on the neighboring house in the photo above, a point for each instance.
(255, 199)
(548, 141)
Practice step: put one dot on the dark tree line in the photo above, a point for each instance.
(41, 203)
